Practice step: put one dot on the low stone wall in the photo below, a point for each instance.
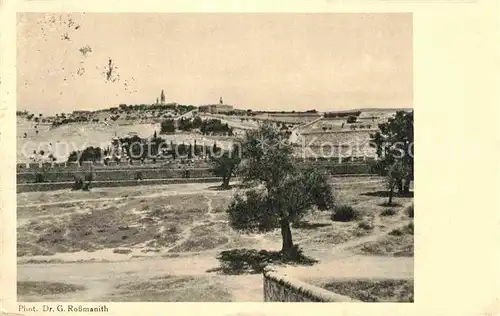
(57, 166)
(280, 288)
(349, 169)
(51, 175)
(51, 186)
(61, 185)
(54, 174)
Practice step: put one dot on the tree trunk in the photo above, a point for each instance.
(225, 182)
(391, 191)
(286, 234)
(226, 179)
(400, 186)
(406, 187)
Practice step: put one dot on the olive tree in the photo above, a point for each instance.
(283, 193)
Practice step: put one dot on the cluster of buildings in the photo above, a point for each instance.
(220, 107)
(216, 108)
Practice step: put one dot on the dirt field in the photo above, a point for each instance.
(161, 243)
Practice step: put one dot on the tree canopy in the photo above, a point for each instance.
(167, 126)
(226, 164)
(394, 146)
(283, 193)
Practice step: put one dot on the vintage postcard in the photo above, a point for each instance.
(229, 157)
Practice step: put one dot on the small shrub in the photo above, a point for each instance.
(409, 211)
(396, 232)
(365, 225)
(351, 119)
(345, 213)
(388, 212)
(250, 211)
(122, 251)
(409, 228)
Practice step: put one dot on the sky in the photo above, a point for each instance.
(262, 61)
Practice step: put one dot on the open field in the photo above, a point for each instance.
(170, 238)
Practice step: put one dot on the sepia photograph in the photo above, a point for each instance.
(214, 157)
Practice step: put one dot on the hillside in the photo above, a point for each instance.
(99, 130)
(77, 136)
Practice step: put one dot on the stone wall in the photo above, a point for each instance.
(50, 186)
(281, 288)
(56, 166)
(109, 174)
(60, 173)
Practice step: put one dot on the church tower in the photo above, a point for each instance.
(162, 97)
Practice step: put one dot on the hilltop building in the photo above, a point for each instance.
(216, 108)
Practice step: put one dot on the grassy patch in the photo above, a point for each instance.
(26, 288)
(407, 230)
(409, 211)
(388, 212)
(341, 232)
(205, 237)
(122, 251)
(150, 250)
(172, 289)
(366, 225)
(60, 209)
(219, 203)
(98, 229)
(158, 222)
(390, 246)
(374, 290)
(42, 261)
(398, 242)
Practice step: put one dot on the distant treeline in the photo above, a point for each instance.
(141, 148)
(341, 114)
(138, 148)
(67, 120)
(250, 112)
(207, 126)
(286, 112)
